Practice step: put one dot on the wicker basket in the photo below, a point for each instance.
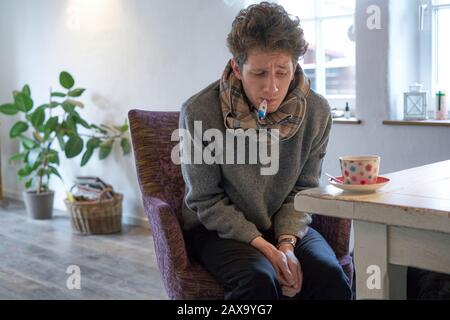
(96, 217)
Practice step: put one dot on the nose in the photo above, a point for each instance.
(270, 85)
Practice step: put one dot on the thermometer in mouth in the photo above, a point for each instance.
(262, 110)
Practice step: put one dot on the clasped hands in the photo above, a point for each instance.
(288, 268)
(286, 264)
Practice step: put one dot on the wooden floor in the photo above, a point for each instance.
(34, 257)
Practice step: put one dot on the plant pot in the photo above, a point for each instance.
(39, 206)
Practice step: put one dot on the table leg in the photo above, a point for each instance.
(375, 277)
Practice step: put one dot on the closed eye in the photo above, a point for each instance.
(261, 74)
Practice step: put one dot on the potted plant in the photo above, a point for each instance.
(44, 128)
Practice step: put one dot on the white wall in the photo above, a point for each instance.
(143, 54)
(404, 52)
(155, 54)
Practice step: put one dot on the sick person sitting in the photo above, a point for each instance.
(241, 225)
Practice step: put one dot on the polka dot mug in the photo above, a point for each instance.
(360, 170)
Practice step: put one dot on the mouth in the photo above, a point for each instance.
(270, 101)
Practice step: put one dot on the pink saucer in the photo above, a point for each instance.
(381, 182)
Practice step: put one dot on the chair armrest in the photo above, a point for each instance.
(168, 237)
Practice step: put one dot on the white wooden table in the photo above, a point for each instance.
(406, 223)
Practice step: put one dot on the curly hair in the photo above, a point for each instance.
(268, 27)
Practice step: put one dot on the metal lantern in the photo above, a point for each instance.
(415, 103)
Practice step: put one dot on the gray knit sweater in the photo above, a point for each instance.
(235, 199)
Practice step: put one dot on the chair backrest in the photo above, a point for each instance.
(158, 175)
(161, 182)
(336, 231)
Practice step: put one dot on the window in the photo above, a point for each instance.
(441, 26)
(435, 47)
(330, 61)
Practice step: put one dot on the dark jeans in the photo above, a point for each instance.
(247, 274)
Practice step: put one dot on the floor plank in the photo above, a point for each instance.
(34, 256)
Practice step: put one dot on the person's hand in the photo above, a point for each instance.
(295, 269)
(285, 276)
(278, 259)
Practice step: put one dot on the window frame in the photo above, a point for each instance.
(320, 65)
(428, 49)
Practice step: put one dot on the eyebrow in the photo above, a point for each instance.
(263, 69)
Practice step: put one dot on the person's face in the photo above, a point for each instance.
(266, 76)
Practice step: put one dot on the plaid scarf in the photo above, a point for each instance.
(237, 113)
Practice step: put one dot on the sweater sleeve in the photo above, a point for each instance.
(287, 220)
(205, 195)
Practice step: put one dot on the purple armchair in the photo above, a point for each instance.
(162, 189)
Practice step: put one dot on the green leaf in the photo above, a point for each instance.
(76, 92)
(26, 90)
(36, 165)
(19, 128)
(51, 124)
(37, 117)
(53, 157)
(105, 149)
(9, 109)
(86, 156)
(84, 123)
(42, 172)
(23, 102)
(93, 143)
(81, 121)
(70, 123)
(64, 130)
(66, 80)
(27, 143)
(25, 171)
(29, 183)
(54, 104)
(41, 129)
(73, 147)
(18, 156)
(68, 107)
(124, 128)
(125, 144)
(58, 94)
(54, 171)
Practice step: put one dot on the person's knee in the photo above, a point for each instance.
(259, 283)
(334, 283)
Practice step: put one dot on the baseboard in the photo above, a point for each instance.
(126, 219)
(13, 195)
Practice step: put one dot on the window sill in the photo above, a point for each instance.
(346, 121)
(421, 123)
